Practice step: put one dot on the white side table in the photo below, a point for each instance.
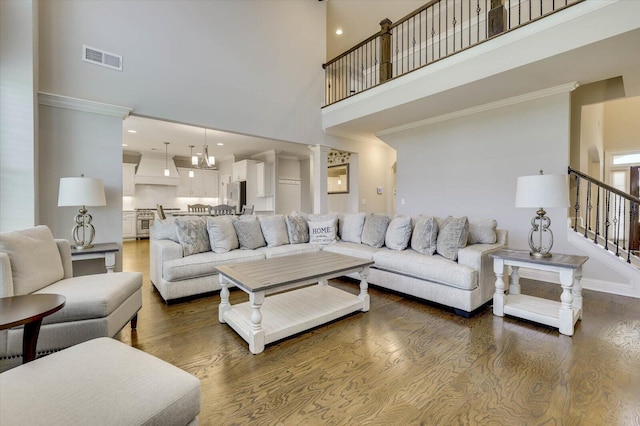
(508, 300)
(106, 251)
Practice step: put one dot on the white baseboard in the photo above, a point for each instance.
(621, 289)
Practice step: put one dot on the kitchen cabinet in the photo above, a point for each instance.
(241, 170)
(264, 179)
(128, 225)
(128, 179)
(204, 183)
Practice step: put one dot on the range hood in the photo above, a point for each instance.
(151, 170)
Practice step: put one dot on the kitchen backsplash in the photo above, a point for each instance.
(147, 196)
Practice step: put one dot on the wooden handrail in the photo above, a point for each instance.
(605, 186)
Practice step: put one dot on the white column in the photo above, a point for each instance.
(319, 164)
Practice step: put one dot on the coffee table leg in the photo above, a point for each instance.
(364, 286)
(224, 297)
(30, 340)
(256, 339)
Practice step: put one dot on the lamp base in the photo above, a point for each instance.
(88, 246)
(539, 255)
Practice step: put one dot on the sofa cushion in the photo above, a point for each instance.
(350, 226)
(432, 268)
(425, 235)
(92, 296)
(482, 231)
(249, 233)
(374, 230)
(164, 229)
(452, 237)
(203, 264)
(297, 229)
(34, 257)
(288, 249)
(274, 230)
(222, 234)
(361, 251)
(323, 232)
(398, 233)
(192, 234)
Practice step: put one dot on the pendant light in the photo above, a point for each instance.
(166, 159)
(191, 174)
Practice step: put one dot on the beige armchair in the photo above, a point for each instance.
(100, 305)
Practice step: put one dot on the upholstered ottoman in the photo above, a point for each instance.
(99, 382)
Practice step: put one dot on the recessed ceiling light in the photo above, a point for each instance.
(124, 144)
(339, 31)
(132, 131)
(220, 144)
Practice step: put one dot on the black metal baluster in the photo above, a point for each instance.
(617, 225)
(624, 234)
(461, 25)
(420, 38)
(633, 212)
(439, 30)
(595, 238)
(606, 220)
(577, 204)
(587, 221)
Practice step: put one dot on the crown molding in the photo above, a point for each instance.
(563, 88)
(60, 101)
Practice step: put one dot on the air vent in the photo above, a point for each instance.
(102, 58)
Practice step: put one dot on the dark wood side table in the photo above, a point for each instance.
(28, 310)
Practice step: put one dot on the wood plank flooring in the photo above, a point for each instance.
(404, 362)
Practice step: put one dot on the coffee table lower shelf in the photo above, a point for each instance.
(292, 312)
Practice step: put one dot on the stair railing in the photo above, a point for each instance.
(432, 32)
(605, 214)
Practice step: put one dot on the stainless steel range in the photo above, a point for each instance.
(144, 222)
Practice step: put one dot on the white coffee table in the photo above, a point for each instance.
(260, 322)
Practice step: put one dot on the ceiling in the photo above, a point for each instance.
(150, 135)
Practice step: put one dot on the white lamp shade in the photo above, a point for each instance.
(81, 191)
(542, 191)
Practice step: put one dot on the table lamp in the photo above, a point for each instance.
(82, 191)
(540, 191)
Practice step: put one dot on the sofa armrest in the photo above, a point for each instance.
(64, 247)
(474, 254)
(6, 279)
(161, 251)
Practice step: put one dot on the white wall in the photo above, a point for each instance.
(469, 166)
(73, 143)
(252, 67)
(18, 113)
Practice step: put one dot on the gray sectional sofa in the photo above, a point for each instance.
(442, 260)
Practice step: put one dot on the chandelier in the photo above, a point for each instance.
(203, 160)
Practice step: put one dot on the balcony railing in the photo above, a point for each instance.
(606, 215)
(435, 31)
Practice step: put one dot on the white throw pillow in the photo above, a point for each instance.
(274, 230)
(323, 232)
(222, 234)
(452, 237)
(482, 231)
(398, 233)
(425, 235)
(350, 225)
(164, 229)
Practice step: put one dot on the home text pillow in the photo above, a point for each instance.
(164, 229)
(482, 231)
(34, 257)
(350, 225)
(192, 234)
(425, 235)
(452, 237)
(374, 230)
(297, 229)
(274, 230)
(249, 233)
(323, 232)
(398, 233)
(222, 234)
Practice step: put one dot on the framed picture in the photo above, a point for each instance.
(338, 179)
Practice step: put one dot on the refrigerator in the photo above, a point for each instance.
(237, 194)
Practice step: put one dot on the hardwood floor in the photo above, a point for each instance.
(404, 362)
